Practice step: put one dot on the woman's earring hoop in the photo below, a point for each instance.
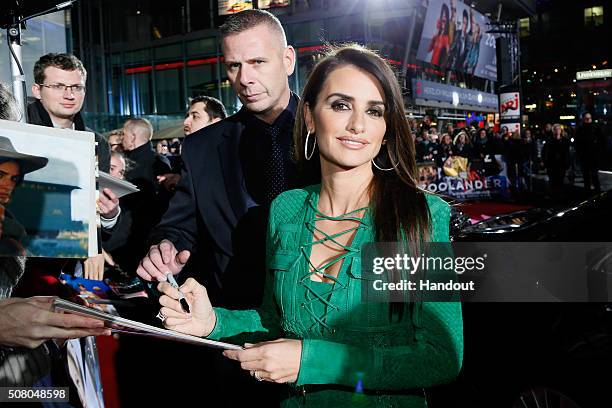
(380, 168)
(306, 155)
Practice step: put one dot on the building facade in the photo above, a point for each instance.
(146, 58)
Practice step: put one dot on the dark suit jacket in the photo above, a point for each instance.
(210, 206)
(127, 241)
(213, 215)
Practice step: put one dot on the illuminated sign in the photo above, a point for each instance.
(470, 48)
(452, 96)
(266, 4)
(473, 116)
(595, 74)
(234, 6)
(509, 106)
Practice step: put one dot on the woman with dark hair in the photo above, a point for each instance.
(333, 348)
(446, 146)
(462, 145)
(440, 44)
(472, 52)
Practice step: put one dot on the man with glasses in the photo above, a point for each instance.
(590, 145)
(59, 89)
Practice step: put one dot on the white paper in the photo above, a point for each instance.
(122, 325)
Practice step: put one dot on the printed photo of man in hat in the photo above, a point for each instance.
(13, 167)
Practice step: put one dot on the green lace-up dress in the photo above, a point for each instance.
(353, 355)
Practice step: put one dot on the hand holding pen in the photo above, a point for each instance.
(201, 319)
(181, 299)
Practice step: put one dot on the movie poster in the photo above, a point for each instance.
(455, 37)
(47, 192)
(465, 179)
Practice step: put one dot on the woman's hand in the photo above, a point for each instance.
(202, 319)
(275, 361)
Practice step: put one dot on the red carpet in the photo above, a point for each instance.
(107, 347)
(481, 210)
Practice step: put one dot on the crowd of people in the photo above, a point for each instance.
(558, 151)
(261, 215)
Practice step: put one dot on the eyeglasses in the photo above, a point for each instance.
(77, 89)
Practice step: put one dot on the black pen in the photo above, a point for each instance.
(182, 299)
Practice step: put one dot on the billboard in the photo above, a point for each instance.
(454, 37)
(267, 4)
(510, 109)
(465, 178)
(227, 7)
(509, 106)
(443, 95)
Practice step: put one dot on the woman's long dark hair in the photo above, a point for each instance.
(444, 11)
(399, 206)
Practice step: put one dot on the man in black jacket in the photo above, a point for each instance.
(59, 89)
(233, 170)
(146, 207)
(590, 145)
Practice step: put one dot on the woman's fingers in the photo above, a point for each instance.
(255, 365)
(168, 312)
(167, 289)
(192, 286)
(252, 354)
(180, 325)
(173, 322)
(171, 303)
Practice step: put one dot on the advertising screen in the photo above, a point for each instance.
(455, 37)
(234, 6)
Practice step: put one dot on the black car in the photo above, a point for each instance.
(535, 354)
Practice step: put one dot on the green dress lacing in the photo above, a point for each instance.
(317, 302)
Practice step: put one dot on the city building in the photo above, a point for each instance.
(146, 58)
(566, 62)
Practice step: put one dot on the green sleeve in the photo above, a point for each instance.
(254, 325)
(435, 357)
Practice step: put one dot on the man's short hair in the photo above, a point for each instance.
(9, 110)
(212, 106)
(142, 126)
(65, 62)
(129, 164)
(247, 19)
(586, 113)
